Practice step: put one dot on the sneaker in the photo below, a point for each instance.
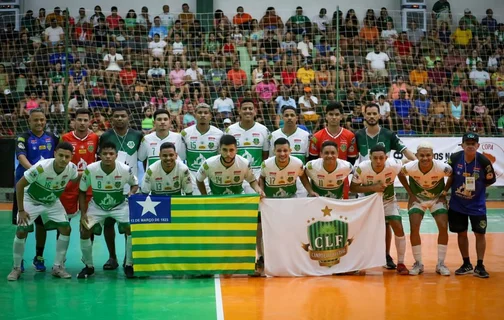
(38, 263)
(129, 272)
(418, 268)
(402, 270)
(464, 269)
(22, 266)
(14, 274)
(60, 272)
(480, 272)
(111, 264)
(86, 273)
(390, 263)
(442, 269)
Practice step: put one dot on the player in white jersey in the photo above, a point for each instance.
(426, 192)
(201, 142)
(252, 138)
(106, 179)
(298, 138)
(378, 175)
(37, 194)
(149, 148)
(327, 173)
(226, 172)
(167, 176)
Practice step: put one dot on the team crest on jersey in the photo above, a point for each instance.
(343, 147)
(62, 183)
(90, 148)
(256, 141)
(236, 178)
(49, 146)
(339, 182)
(176, 184)
(388, 180)
(118, 184)
(297, 147)
(211, 145)
(130, 144)
(290, 179)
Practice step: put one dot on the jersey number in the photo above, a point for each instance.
(158, 186)
(193, 145)
(99, 184)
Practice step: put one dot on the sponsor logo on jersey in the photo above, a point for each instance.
(117, 177)
(108, 187)
(21, 145)
(370, 177)
(218, 173)
(42, 147)
(159, 179)
(237, 172)
(193, 138)
(82, 151)
(175, 178)
(99, 177)
(291, 173)
(320, 176)
(256, 135)
(49, 179)
(272, 173)
(339, 176)
(153, 143)
(211, 138)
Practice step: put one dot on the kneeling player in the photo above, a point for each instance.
(425, 190)
(167, 176)
(106, 179)
(44, 183)
(378, 175)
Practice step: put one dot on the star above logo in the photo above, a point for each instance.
(326, 211)
(148, 206)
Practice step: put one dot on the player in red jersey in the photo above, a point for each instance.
(345, 139)
(85, 144)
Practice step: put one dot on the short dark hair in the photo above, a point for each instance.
(285, 108)
(119, 108)
(227, 139)
(108, 145)
(160, 111)
(247, 100)
(65, 145)
(167, 145)
(82, 111)
(113, 8)
(329, 143)
(281, 141)
(36, 110)
(377, 148)
(334, 106)
(371, 105)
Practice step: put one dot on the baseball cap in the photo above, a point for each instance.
(423, 91)
(307, 89)
(467, 10)
(227, 120)
(470, 136)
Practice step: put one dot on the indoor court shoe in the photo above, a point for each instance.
(60, 272)
(111, 264)
(402, 270)
(38, 263)
(442, 270)
(86, 273)
(14, 274)
(417, 269)
(129, 272)
(22, 266)
(464, 269)
(390, 263)
(480, 272)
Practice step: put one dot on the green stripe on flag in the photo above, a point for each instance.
(195, 233)
(193, 246)
(192, 260)
(214, 219)
(205, 207)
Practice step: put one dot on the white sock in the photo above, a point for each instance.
(400, 243)
(87, 252)
(129, 250)
(18, 248)
(61, 249)
(417, 253)
(441, 249)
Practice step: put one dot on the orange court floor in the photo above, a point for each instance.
(374, 294)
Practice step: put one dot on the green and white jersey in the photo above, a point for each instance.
(107, 188)
(200, 146)
(46, 186)
(281, 183)
(364, 174)
(226, 180)
(328, 184)
(159, 182)
(251, 142)
(388, 138)
(127, 146)
(299, 143)
(427, 186)
(149, 148)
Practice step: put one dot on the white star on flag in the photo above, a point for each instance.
(148, 206)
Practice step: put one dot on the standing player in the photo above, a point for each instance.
(106, 179)
(344, 139)
(32, 146)
(127, 143)
(43, 183)
(252, 138)
(85, 145)
(167, 176)
(378, 175)
(327, 173)
(426, 192)
(227, 171)
(369, 137)
(201, 142)
(149, 148)
(472, 174)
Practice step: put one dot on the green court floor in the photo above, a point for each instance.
(109, 295)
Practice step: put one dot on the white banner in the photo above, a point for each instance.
(322, 236)
(492, 148)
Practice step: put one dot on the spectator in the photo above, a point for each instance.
(377, 62)
(456, 109)
(472, 60)
(404, 49)
(444, 33)
(113, 19)
(480, 79)
(177, 51)
(418, 76)
(498, 80)
(323, 80)
(271, 22)
(101, 34)
(128, 77)
(258, 73)
(247, 95)
(499, 34)
(77, 101)
(289, 50)
(378, 87)
(167, 18)
(55, 81)
(189, 118)
(441, 13)
(384, 111)
(355, 121)
(221, 31)
(308, 107)
(113, 64)
(306, 76)
(266, 92)
(29, 23)
(437, 76)
(254, 39)
(156, 74)
(431, 59)
(211, 48)
(398, 86)
(352, 17)
(369, 33)
(99, 95)
(489, 21)
(145, 21)
(389, 34)
(454, 58)
(159, 101)
(229, 51)
(195, 38)
(177, 78)
(186, 17)
(57, 16)
(462, 36)
(223, 106)
(321, 23)
(420, 109)
(383, 20)
(323, 52)
(470, 20)
(147, 122)
(481, 111)
(177, 29)
(54, 34)
(493, 61)
(348, 34)
(157, 49)
(226, 123)
(238, 37)
(402, 106)
(131, 20)
(370, 16)
(415, 35)
(356, 57)
(270, 48)
(157, 28)
(221, 18)
(431, 41)
(216, 76)
(282, 100)
(288, 76)
(299, 23)
(407, 129)
(237, 78)
(438, 111)
(174, 106)
(241, 19)
(78, 78)
(61, 57)
(194, 78)
(305, 48)
(95, 18)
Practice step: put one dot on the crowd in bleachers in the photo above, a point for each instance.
(446, 80)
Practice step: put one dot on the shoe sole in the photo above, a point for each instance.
(444, 275)
(390, 267)
(415, 274)
(57, 276)
(87, 277)
(37, 270)
(463, 273)
(480, 276)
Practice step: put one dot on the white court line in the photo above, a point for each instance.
(218, 298)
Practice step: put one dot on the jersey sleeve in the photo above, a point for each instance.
(314, 146)
(85, 181)
(201, 175)
(266, 145)
(396, 143)
(187, 182)
(357, 176)
(181, 149)
(146, 180)
(143, 151)
(300, 170)
(74, 171)
(353, 152)
(263, 169)
(33, 173)
(489, 170)
(397, 166)
(132, 180)
(21, 145)
(447, 169)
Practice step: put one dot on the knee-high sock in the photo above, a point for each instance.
(61, 249)
(441, 253)
(417, 253)
(87, 252)
(18, 249)
(129, 250)
(400, 243)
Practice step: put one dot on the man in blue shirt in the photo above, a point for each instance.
(402, 106)
(31, 147)
(472, 174)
